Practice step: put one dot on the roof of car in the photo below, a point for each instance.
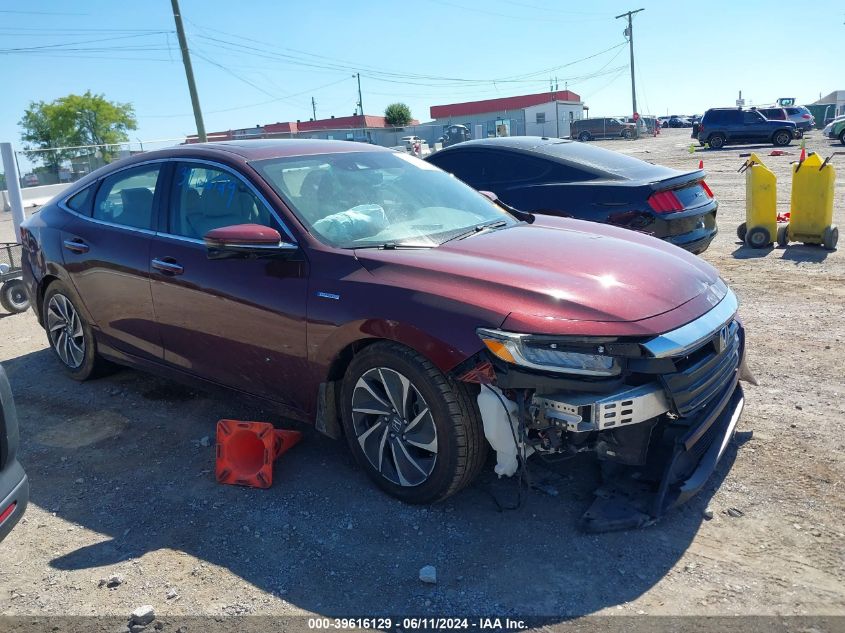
(259, 149)
(513, 142)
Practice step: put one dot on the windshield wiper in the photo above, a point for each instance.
(389, 246)
(475, 230)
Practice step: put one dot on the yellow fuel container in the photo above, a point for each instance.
(761, 217)
(811, 205)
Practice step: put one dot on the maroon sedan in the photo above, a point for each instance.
(379, 298)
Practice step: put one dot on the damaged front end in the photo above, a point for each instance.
(658, 412)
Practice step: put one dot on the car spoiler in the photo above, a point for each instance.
(676, 182)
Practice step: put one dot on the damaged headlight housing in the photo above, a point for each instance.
(548, 354)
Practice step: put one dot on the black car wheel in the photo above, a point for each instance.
(741, 230)
(830, 237)
(716, 141)
(417, 434)
(782, 138)
(71, 337)
(842, 137)
(13, 296)
(584, 137)
(758, 237)
(627, 134)
(783, 235)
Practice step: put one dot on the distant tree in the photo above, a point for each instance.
(397, 114)
(72, 121)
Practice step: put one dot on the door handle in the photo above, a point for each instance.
(164, 266)
(76, 245)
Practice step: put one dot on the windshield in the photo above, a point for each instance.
(367, 199)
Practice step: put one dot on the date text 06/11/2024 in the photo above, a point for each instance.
(430, 624)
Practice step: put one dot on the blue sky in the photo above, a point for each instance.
(261, 61)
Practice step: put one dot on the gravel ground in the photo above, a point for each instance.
(123, 485)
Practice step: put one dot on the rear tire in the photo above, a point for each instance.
(379, 426)
(830, 237)
(584, 137)
(627, 134)
(758, 237)
(69, 334)
(741, 230)
(842, 137)
(781, 138)
(716, 141)
(13, 296)
(783, 235)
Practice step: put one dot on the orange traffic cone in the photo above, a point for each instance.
(246, 452)
(701, 164)
(803, 155)
(284, 440)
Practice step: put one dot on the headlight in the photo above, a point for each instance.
(546, 354)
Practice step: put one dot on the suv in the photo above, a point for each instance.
(14, 487)
(836, 129)
(802, 117)
(721, 126)
(607, 127)
(773, 114)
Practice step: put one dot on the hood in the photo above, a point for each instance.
(552, 272)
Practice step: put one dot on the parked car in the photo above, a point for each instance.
(836, 129)
(802, 117)
(380, 298)
(560, 177)
(722, 126)
(14, 485)
(677, 121)
(602, 127)
(773, 114)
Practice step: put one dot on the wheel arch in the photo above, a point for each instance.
(336, 353)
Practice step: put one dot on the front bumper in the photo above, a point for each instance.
(688, 460)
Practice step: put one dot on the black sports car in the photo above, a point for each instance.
(564, 178)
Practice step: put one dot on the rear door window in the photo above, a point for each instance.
(504, 167)
(127, 197)
(466, 165)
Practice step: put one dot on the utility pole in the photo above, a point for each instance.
(314, 108)
(360, 104)
(189, 71)
(629, 32)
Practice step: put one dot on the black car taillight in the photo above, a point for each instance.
(665, 202)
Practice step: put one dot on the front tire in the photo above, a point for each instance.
(417, 434)
(584, 137)
(69, 334)
(13, 296)
(782, 138)
(741, 231)
(842, 137)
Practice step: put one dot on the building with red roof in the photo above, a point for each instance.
(540, 114)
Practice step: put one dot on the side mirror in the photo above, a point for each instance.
(247, 241)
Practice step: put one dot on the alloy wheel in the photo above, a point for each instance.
(394, 426)
(64, 326)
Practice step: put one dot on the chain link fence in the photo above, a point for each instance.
(63, 165)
